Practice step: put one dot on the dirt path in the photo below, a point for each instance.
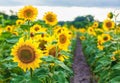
(81, 69)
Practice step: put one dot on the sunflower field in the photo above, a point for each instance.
(33, 51)
(101, 46)
(42, 51)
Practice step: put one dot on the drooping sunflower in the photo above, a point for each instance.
(28, 13)
(54, 51)
(100, 42)
(63, 41)
(108, 24)
(26, 54)
(50, 18)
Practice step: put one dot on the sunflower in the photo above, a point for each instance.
(27, 54)
(35, 28)
(91, 31)
(106, 37)
(82, 30)
(113, 58)
(54, 51)
(110, 15)
(82, 37)
(28, 13)
(10, 28)
(20, 22)
(50, 18)
(108, 24)
(100, 47)
(63, 41)
(95, 24)
(1, 30)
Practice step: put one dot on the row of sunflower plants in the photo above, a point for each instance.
(101, 46)
(34, 51)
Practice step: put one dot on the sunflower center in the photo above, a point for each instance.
(62, 38)
(28, 13)
(8, 29)
(109, 24)
(42, 44)
(26, 54)
(52, 51)
(32, 35)
(105, 38)
(50, 18)
(37, 28)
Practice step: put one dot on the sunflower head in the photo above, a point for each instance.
(82, 30)
(27, 54)
(28, 13)
(10, 28)
(54, 51)
(100, 47)
(95, 24)
(19, 22)
(50, 18)
(63, 41)
(106, 37)
(35, 28)
(110, 15)
(91, 31)
(82, 37)
(108, 25)
(1, 30)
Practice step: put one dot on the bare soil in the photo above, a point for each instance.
(82, 73)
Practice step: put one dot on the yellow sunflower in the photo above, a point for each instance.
(95, 24)
(27, 54)
(82, 37)
(63, 41)
(35, 28)
(1, 30)
(105, 37)
(20, 22)
(10, 28)
(91, 31)
(113, 58)
(110, 15)
(82, 30)
(54, 51)
(50, 18)
(108, 24)
(100, 47)
(28, 13)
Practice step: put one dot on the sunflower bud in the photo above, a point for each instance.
(110, 15)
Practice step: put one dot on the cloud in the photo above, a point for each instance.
(83, 3)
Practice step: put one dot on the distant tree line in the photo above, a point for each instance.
(78, 22)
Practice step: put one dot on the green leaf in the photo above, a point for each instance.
(117, 66)
(115, 80)
(63, 66)
(12, 40)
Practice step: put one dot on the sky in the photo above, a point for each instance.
(66, 10)
(80, 3)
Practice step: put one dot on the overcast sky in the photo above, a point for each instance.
(81, 3)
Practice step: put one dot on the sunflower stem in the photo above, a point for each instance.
(31, 72)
